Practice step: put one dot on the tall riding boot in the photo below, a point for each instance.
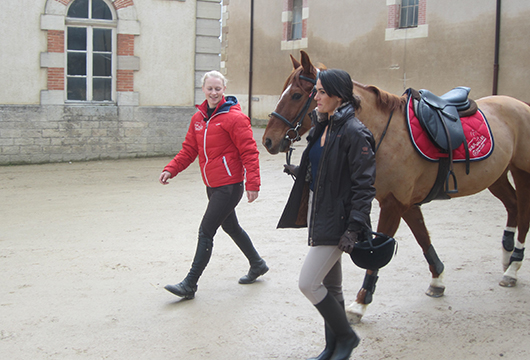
(258, 266)
(187, 287)
(330, 342)
(330, 345)
(335, 317)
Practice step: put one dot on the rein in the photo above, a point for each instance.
(384, 132)
(297, 123)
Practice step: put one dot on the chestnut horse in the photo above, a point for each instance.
(404, 178)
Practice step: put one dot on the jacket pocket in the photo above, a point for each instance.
(226, 166)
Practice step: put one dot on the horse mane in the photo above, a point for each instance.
(383, 99)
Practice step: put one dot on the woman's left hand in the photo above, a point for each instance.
(252, 195)
(347, 241)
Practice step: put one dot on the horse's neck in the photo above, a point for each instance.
(370, 115)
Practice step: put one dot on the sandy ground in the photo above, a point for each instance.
(86, 249)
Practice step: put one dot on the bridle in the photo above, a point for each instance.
(296, 124)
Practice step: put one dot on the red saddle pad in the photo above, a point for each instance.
(476, 129)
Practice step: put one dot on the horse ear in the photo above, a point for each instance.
(306, 62)
(295, 62)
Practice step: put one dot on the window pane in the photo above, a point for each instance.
(102, 65)
(76, 38)
(76, 63)
(100, 10)
(102, 40)
(102, 89)
(297, 31)
(76, 89)
(403, 17)
(79, 9)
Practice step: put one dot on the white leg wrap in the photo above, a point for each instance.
(506, 259)
(355, 311)
(512, 269)
(438, 282)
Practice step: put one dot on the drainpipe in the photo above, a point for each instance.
(250, 59)
(497, 45)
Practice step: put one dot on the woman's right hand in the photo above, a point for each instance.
(164, 177)
(291, 169)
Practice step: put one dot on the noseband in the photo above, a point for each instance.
(294, 126)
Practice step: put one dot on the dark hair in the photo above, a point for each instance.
(338, 82)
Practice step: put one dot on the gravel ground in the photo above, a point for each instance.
(86, 249)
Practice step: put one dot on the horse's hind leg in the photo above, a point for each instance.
(522, 185)
(503, 190)
(414, 219)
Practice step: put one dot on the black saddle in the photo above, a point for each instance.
(439, 116)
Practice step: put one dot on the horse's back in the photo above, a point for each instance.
(509, 120)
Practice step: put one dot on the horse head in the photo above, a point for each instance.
(291, 118)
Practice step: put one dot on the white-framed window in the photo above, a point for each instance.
(407, 19)
(408, 16)
(90, 51)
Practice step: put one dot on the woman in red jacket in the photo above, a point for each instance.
(221, 136)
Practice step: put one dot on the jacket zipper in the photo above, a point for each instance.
(226, 166)
(204, 147)
(205, 154)
(319, 173)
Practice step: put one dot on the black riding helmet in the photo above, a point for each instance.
(374, 253)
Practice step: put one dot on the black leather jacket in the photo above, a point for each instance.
(344, 187)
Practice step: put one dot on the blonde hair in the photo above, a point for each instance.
(214, 74)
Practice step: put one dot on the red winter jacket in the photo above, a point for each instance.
(225, 145)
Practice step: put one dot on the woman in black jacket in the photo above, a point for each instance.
(332, 196)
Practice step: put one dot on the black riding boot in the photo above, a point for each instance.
(330, 345)
(258, 266)
(188, 286)
(330, 342)
(345, 338)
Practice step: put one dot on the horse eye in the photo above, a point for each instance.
(296, 96)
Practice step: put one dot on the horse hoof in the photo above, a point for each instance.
(355, 312)
(508, 281)
(435, 292)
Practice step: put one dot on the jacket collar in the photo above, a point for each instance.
(340, 115)
(223, 107)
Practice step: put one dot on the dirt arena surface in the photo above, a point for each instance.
(86, 249)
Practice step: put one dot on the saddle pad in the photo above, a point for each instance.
(476, 129)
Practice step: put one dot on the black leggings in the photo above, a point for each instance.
(221, 212)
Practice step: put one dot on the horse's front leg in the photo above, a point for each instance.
(389, 218)
(414, 219)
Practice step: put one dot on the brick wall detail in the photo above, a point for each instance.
(56, 41)
(120, 4)
(55, 78)
(125, 45)
(125, 80)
